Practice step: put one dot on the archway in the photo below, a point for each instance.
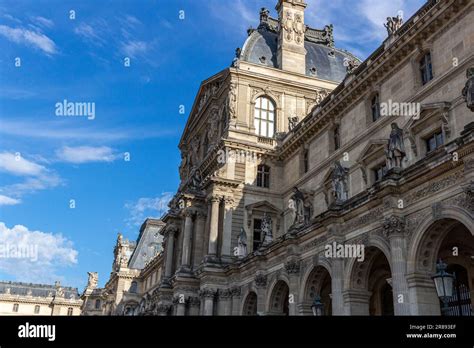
(250, 304)
(279, 299)
(370, 291)
(318, 284)
(450, 239)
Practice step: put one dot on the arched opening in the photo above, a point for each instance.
(371, 285)
(451, 241)
(318, 284)
(250, 304)
(279, 300)
(456, 251)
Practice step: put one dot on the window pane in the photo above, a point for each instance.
(263, 129)
(272, 107)
(439, 139)
(257, 126)
(264, 103)
(258, 103)
(270, 130)
(263, 115)
(271, 116)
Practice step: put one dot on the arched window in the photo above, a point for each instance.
(15, 307)
(264, 117)
(69, 311)
(97, 304)
(375, 107)
(426, 68)
(133, 287)
(263, 176)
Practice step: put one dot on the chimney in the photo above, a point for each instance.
(291, 51)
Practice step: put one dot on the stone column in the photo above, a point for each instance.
(225, 304)
(337, 286)
(187, 242)
(180, 306)
(261, 284)
(194, 304)
(357, 301)
(337, 271)
(198, 244)
(226, 250)
(423, 295)
(170, 234)
(236, 296)
(394, 229)
(208, 295)
(214, 225)
(292, 267)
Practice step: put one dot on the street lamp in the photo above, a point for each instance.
(317, 306)
(444, 283)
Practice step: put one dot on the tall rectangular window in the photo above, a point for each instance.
(15, 307)
(257, 233)
(426, 68)
(263, 176)
(375, 107)
(434, 141)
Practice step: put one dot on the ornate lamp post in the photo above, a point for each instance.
(444, 283)
(317, 306)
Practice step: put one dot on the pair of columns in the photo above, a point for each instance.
(214, 213)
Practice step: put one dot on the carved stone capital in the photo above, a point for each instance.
(194, 301)
(207, 293)
(261, 280)
(394, 226)
(235, 291)
(224, 294)
(163, 308)
(292, 266)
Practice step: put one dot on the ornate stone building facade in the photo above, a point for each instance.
(299, 149)
(38, 299)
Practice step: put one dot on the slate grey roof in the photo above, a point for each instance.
(37, 290)
(328, 61)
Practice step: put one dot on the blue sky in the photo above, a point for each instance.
(46, 160)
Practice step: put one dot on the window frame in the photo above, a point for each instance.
(37, 309)
(97, 304)
(425, 65)
(70, 311)
(375, 107)
(436, 135)
(257, 117)
(256, 244)
(263, 176)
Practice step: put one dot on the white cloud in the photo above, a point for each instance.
(147, 208)
(5, 200)
(43, 22)
(17, 165)
(134, 48)
(30, 38)
(34, 256)
(37, 177)
(85, 154)
(88, 33)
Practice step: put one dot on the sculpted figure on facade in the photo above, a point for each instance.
(93, 280)
(339, 183)
(196, 179)
(287, 25)
(292, 122)
(393, 24)
(299, 28)
(395, 152)
(267, 230)
(468, 90)
(236, 60)
(297, 205)
(242, 244)
(232, 101)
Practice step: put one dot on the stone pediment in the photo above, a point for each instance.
(264, 206)
(372, 151)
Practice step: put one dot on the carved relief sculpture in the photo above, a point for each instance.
(267, 230)
(468, 90)
(339, 183)
(242, 244)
